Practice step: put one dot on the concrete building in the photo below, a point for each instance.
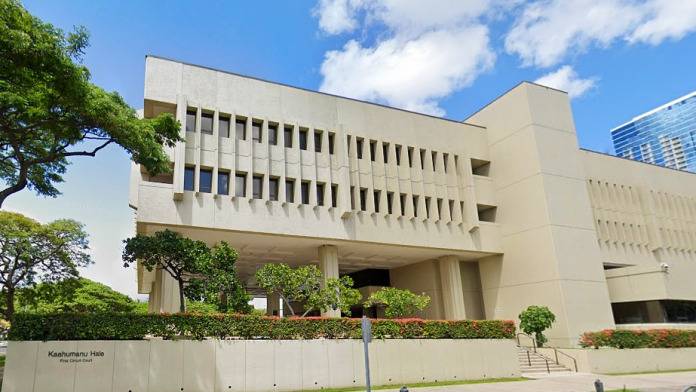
(664, 136)
(486, 216)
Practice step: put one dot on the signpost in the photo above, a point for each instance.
(367, 338)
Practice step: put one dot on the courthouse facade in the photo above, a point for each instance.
(487, 216)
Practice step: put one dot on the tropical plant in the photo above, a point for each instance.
(398, 303)
(50, 111)
(33, 252)
(535, 320)
(73, 295)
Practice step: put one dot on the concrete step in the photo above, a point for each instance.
(531, 362)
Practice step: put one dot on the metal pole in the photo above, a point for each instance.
(367, 337)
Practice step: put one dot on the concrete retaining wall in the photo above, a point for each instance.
(609, 360)
(247, 365)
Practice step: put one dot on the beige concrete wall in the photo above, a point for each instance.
(250, 365)
(607, 360)
(422, 278)
(551, 256)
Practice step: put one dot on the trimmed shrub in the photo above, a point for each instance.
(650, 338)
(133, 326)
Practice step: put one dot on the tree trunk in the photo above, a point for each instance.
(18, 186)
(223, 303)
(9, 303)
(182, 299)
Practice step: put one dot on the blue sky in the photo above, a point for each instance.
(617, 58)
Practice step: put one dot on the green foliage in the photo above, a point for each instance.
(398, 303)
(535, 320)
(303, 285)
(134, 326)
(32, 251)
(4, 328)
(73, 295)
(651, 338)
(51, 111)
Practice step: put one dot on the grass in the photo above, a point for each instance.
(428, 384)
(652, 372)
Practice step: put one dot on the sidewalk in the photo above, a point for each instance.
(581, 382)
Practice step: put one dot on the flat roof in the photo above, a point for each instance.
(635, 161)
(657, 109)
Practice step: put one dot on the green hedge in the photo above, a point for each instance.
(128, 326)
(651, 338)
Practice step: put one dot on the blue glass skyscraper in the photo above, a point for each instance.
(664, 136)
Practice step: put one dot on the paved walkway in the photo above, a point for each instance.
(581, 382)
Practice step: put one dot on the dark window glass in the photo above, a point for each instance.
(398, 154)
(224, 126)
(334, 195)
(373, 150)
(451, 208)
(303, 139)
(415, 205)
(273, 189)
(402, 200)
(189, 174)
(320, 194)
(288, 136)
(273, 134)
(390, 202)
(256, 131)
(240, 129)
(223, 183)
(191, 121)
(385, 152)
(439, 209)
(206, 181)
(363, 199)
(317, 141)
(332, 139)
(352, 198)
(410, 157)
(240, 185)
(427, 208)
(257, 187)
(422, 158)
(359, 143)
(290, 191)
(375, 197)
(434, 157)
(444, 160)
(207, 123)
(304, 192)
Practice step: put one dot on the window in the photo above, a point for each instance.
(348, 144)
(444, 160)
(439, 209)
(273, 134)
(390, 202)
(287, 135)
(240, 128)
(434, 157)
(451, 208)
(375, 197)
(223, 183)
(385, 152)
(363, 199)
(206, 181)
(290, 190)
(303, 138)
(189, 174)
(224, 126)
(240, 184)
(320, 193)
(256, 131)
(398, 154)
(317, 141)
(486, 213)
(352, 198)
(410, 157)
(480, 167)
(456, 164)
(332, 139)
(190, 121)
(273, 189)
(334, 195)
(373, 152)
(207, 123)
(304, 192)
(257, 187)
(402, 200)
(422, 159)
(359, 143)
(427, 208)
(415, 205)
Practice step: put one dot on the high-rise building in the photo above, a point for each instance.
(664, 136)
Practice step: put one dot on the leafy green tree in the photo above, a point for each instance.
(217, 282)
(303, 285)
(176, 255)
(535, 320)
(398, 303)
(50, 111)
(32, 252)
(73, 295)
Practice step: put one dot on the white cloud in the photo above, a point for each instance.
(337, 16)
(547, 31)
(566, 79)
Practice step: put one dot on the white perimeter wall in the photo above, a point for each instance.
(250, 365)
(610, 360)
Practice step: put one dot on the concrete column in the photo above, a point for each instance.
(452, 293)
(328, 265)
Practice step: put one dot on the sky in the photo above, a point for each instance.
(615, 58)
